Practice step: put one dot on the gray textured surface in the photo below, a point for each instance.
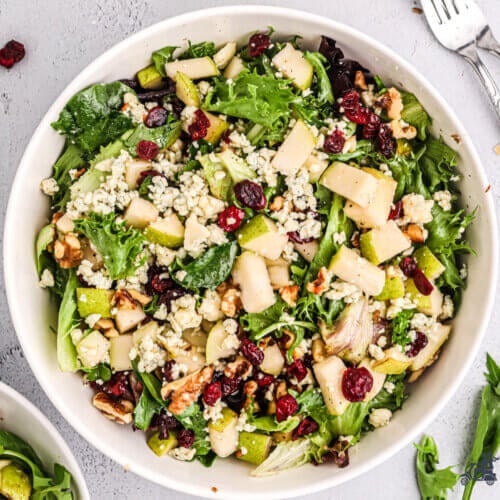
(63, 36)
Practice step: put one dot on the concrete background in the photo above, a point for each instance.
(63, 36)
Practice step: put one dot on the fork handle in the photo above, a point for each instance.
(488, 42)
(471, 55)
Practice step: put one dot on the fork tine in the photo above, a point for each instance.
(448, 7)
(432, 13)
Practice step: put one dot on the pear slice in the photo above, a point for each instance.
(294, 150)
(394, 288)
(394, 362)
(427, 304)
(291, 62)
(92, 349)
(119, 349)
(193, 358)
(315, 166)
(261, 235)
(150, 329)
(161, 447)
(250, 273)
(15, 484)
(273, 361)
(168, 232)
(195, 234)
(186, 90)
(133, 171)
(378, 379)
(217, 177)
(150, 78)
(431, 266)
(307, 250)
(94, 301)
(223, 434)
(435, 340)
(216, 128)
(350, 267)
(216, 348)
(196, 68)
(350, 182)
(140, 213)
(234, 68)
(225, 54)
(279, 273)
(383, 243)
(256, 445)
(329, 373)
(126, 319)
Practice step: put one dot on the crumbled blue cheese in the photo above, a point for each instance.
(239, 141)
(243, 424)
(339, 238)
(389, 387)
(183, 454)
(210, 307)
(213, 413)
(161, 195)
(137, 280)
(443, 199)
(375, 352)
(76, 335)
(416, 209)
(49, 186)
(448, 308)
(135, 109)
(92, 319)
(341, 290)
(47, 279)
(379, 417)
(397, 305)
(231, 340)
(99, 279)
(187, 117)
(151, 355)
(183, 313)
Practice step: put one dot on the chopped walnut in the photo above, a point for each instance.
(392, 102)
(187, 390)
(119, 410)
(277, 204)
(359, 80)
(318, 350)
(400, 131)
(321, 283)
(281, 390)
(68, 252)
(142, 298)
(231, 302)
(250, 388)
(123, 299)
(415, 233)
(289, 294)
(240, 367)
(104, 324)
(287, 339)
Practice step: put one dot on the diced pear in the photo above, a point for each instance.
(261, 235)
(350, 182)
(234, 68)
(119, 349)
(394, 362)
(133, 170)
(194, 233)
(150, 329)
(377, 211)
(15, 484)
(161, 447)
(215, 348)
(126, 319)
(282, 436)
(435, 340)
(256, 445)
(196, 68)
(273, 361)
(195, 337)
(168, 232)
(383, 242)
(428, 262)
(92, 349)
(250, 272)
(140, 213)
(217, 176)
(216, 128)
(427, 304)
(225, 54)
(315, 167)
(394, 288)
(193, 358)
(279, 273)
(329, 373)
(350, 267)
(94, 301)
(295, 149)
(186, 90)
(238, 168)
(223, 434)
(378, 379)
(291, 62)
(307, 250)
(150, 78)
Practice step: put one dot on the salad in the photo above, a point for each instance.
(254, 249)
(23, 476)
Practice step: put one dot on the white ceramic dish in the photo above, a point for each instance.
(32, 312)
(19, 416)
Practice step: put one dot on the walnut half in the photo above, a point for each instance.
(119, 410)
(68, 252)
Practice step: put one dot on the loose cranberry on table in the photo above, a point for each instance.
(286, 406)
(253, 353)
(356, 383)
(334, 143)
(250, 194)
(147, 150)
(417, 345)
(258, 44)
(156, 117)
(11, 53)
(199, 127)
(231, 218)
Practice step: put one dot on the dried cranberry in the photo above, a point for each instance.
(147, 150)
(350, 101)
(161, 285)
(177, 105)
(257, 44)
(250, 194)
(386, 141)
(397, 212)
(213, 393)
(417, 345)
(236, 401)
(252, 352)
(148, 173)
(167, 372)
(225, 136)
(295, 237)
(230, 385)
(11, 54)
(408, 265)
(170, 295)
(265, 380)
(297, 369)
(117, 385)
(424, 286)
(231, 218)
(185, 438)
(307, 426)
(157, 117)
(164, 423)
(359, 116)
(286, 406)
(199, 127)
(308, 360)
(334, 143)
(370, 129)
(356, 382)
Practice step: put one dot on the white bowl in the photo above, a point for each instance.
(32, 312)
(19, 416)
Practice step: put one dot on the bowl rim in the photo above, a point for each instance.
(53, 435)
(426, 86)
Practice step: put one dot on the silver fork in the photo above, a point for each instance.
(457, 25)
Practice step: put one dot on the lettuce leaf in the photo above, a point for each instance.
(163, 136)
(119, 246)
(414, 114)
(286, 455)
(400, 326)
(162, 56)
(324, 87)
(437, 163)
(201, 49)
(192, 418)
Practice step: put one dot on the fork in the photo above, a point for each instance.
(457, 24)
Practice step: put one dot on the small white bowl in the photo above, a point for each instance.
(19, 416)
(32, 312)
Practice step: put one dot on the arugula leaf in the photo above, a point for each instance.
(400, 326)
(363, 149)
(67, 320)
(60, 490)
(11, 441)
(312, 307)
(100, 372)
(151, 383)
(119, 246)
(192, 418)
(317, 60)
(255, 322)
(201, 49)
(211, 269)
(414, 114)
(487, 436)
(258, 98)
(391, 400)
(144, 187)
(145, 409)
(92, 117)
(162, 56)
(437, 163)
(163, 136)
(432, 482)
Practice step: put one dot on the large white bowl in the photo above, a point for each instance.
(32, 312)
(19, 416)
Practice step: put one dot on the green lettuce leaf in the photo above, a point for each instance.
(163, 136)
(400, 326)
(255, 322)
(324, 87)
(286, 455)
(162, 56)
(437, 163)
(414, 114)
(202, 49)
(192, 418)
(43, 240)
